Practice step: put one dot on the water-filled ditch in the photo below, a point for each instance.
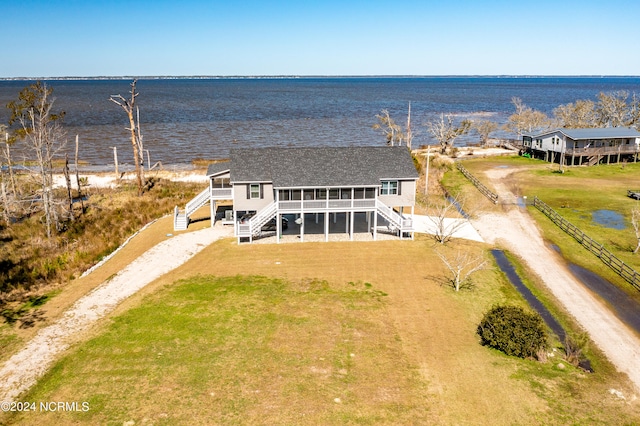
(507, 267)
(624, 307)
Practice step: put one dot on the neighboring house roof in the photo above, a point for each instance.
(322, 166)
(217, 168)
(595, 133)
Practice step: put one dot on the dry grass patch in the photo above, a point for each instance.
(274, 345)
(243, 350)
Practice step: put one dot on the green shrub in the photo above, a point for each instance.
(513, 331)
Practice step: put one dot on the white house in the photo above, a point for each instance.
(366, 187)
(584, 146)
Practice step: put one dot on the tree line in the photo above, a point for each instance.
(610, 109)
(27, 186)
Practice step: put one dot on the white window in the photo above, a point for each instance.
(389, 187)
(254, 190)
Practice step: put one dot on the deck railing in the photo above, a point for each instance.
(603, 150)
(405, 224)
(222, 193)
(326, 205)
(253, 225)
(197, 202)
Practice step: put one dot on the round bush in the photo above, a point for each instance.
(513, 331)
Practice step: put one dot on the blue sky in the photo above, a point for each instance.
(197, 37)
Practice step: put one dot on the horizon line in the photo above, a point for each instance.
(303, 76)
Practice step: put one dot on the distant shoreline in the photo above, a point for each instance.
(291, 77)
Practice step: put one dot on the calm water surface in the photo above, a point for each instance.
(183, 119)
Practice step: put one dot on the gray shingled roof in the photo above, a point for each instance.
(318, 167)
(596, 133)
(216, 168)
(601, 133)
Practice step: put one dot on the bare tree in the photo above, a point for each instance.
(409, 133)
(78, 182)
(613, 110)
(484, 128)
(635, 221)
(445, 131)
(128, 105)
(525, 119)
(461, 266)
(578, 115)
(40, 128)
(634, 111)
(6, 153)
(445, 217)
(393, 132)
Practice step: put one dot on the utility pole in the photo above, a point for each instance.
(78, 175)
(115, 162)
(409, 136)
(426, 173)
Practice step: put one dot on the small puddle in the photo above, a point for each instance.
(505, 265)
(623, 306)
(608, 219)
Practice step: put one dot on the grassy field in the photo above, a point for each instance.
(327, 333)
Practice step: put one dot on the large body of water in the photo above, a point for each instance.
(185, 119)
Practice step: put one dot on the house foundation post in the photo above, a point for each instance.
(326, 227)
(375, 225)
(302, 215)
(412, 233)
(346, 222)
(351, 225)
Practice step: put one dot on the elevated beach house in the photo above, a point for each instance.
(305, 191)
(584, 146)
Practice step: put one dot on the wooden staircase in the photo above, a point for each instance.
(181, 218)
(254, 225)
(395, 219)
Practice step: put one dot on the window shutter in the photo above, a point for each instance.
(261, 191)
(399, 186)
(248, 191)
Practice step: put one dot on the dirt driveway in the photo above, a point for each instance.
(516, 231)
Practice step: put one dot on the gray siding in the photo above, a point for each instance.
(407, 195)
(242, 203)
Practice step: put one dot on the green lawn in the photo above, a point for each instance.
(326, 333)
(242, 350)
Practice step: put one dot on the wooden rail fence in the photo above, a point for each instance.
(483, 189)
(617, 265)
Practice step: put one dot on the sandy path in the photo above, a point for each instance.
(23, 369)
(517, 231)
(457, 228)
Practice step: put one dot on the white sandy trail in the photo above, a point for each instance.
(457, 228)
(23, 369)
